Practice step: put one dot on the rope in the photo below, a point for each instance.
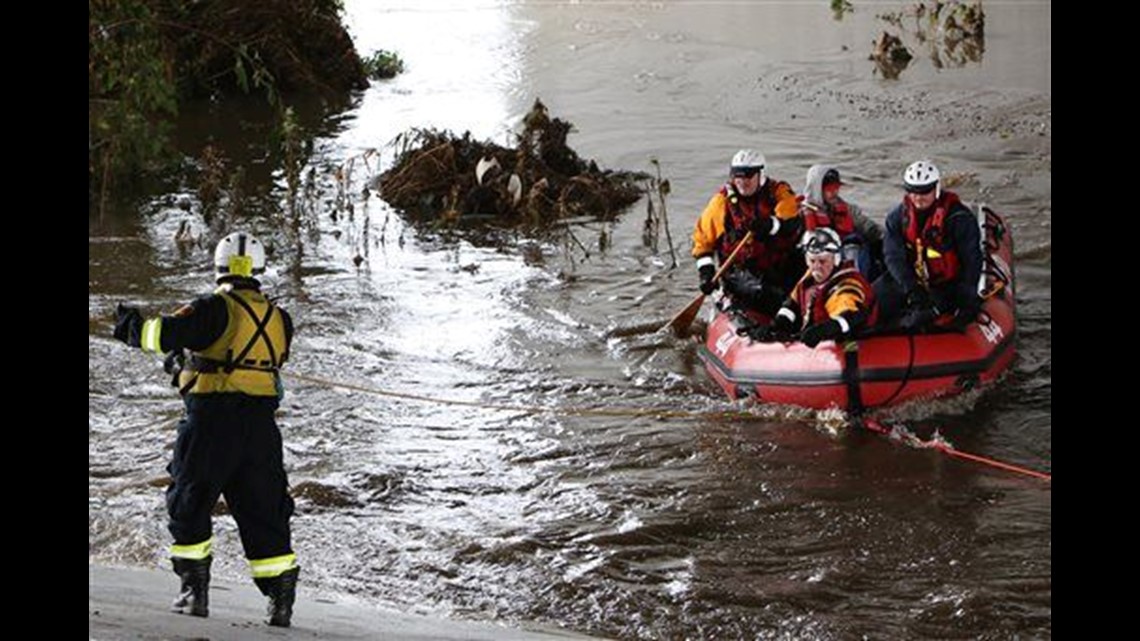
(869, 424)
(571, 411)
(943, 446)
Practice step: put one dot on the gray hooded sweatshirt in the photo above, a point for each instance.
(813, 193)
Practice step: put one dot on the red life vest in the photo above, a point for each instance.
(838, 218)
(762, 254)
(812, 298)
(942, 267)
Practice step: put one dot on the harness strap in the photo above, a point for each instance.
(851, 377)
(258, 333)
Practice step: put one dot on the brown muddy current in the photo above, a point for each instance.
(769, 525)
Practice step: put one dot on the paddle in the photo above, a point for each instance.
(680, 323)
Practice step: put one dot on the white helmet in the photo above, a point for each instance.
(747, 161)
(239, 254)
(823, 240)
(921, 176)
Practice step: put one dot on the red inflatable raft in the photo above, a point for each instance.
(878, 369)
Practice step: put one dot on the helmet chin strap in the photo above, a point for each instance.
(227, 282)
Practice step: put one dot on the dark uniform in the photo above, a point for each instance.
(934, 257)
(228, 444)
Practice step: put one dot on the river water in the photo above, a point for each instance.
(713, 521)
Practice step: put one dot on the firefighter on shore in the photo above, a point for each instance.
(768, 264)
(228, 443)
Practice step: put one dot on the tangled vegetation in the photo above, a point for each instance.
(145, 57)
(383, 64)
(440, 176)
(952, 30)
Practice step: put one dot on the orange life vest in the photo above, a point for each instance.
(813, 298)
(939, 262)
(838, 218)
(762, 254)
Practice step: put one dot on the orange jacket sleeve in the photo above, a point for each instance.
(710, 227)
(787, 205)
(846, 297)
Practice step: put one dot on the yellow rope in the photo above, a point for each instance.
(521, 408)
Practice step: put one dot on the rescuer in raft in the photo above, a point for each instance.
(768, 265)
(832, 300)
(933, 252)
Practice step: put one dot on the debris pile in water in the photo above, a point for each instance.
(890, 55)
(954, 19)
(956, 31)
(953, 30)
(440, 176)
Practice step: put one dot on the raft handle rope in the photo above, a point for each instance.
(906, 374)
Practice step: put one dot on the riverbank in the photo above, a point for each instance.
(133, 603)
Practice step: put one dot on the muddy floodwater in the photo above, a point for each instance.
(428, 480)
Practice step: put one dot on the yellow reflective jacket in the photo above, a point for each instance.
(246, 357)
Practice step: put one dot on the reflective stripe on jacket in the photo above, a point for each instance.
(846, 294)
(725, 221)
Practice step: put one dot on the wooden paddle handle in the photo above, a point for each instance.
(684, 318)
(732, 256)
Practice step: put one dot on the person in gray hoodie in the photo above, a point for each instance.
(824, 207)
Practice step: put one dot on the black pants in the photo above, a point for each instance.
(229, 445)
(892, 299)
(763, 293)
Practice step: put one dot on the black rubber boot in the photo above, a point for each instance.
(194, 598)
(282, 591)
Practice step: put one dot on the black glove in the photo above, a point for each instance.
(961, 320)
(781, 324)
(764, 334)
(173, 364)
(761, 226)
(780, 329)
(128, 325)
(814, 334)
(706, 272)
(759, 333)
(916, 318)
(918, 298)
